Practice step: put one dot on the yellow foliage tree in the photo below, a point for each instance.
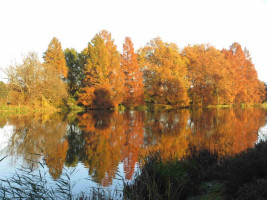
(210, 76)
(54, 57)
(165, 73)
(103, 77)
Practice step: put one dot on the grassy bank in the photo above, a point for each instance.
(15, 109)
(23, 109)
(203, 175)
(72, 106)
(171, 179)
(220, 106)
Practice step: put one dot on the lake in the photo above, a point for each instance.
(103, 149)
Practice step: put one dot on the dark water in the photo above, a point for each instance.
(104, 147)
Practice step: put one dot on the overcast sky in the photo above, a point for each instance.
(29, 25)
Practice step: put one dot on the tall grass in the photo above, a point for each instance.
(26, 184)
(171, 179)
(243, 176)
(31, 183)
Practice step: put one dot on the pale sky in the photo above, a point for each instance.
(29, 25)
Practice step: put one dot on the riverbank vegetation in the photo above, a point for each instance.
(99, 77)
(203, 175)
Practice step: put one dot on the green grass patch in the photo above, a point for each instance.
(15, 109)
(141, 108)
(212, 190)
(71, 105)
(219, 106)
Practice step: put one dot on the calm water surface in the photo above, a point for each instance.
(104, 147)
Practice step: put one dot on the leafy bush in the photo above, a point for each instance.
(171, 179)
(244, 175)
(244, 168)
(255, 190)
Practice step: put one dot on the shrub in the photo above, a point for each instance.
(171, 179)
(255, 190)
(243, 168)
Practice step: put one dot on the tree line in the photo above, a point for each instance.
(100, 77)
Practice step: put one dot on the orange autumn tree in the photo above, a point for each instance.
(134, 93)
(55, 57)
(245, 84)
(165, 73)
(102, 86)
(208, 72)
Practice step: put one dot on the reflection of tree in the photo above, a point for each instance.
(101, 139)
(56, 159)
(134, 140)
(36, 135)
(104, 139)
(229, 131)
(76, 144)
(167, 132)
(110, 137)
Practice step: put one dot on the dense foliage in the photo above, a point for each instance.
(103, 83)
(99, 77)
(165, 73)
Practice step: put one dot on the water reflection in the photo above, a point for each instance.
(109, 138)
(102, 140)
(227, 130)
(37, 135)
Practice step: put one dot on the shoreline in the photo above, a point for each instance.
(146, 107)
